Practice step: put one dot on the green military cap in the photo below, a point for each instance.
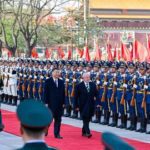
(113, 142)
(34, 114)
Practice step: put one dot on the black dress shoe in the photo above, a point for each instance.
(58, 137)
(1, 127)
(89, 135)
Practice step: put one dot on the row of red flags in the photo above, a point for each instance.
(136, 52)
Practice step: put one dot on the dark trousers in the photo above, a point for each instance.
(57, 124)
(85, 128)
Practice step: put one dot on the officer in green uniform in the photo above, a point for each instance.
(113, 142)
(34, 124)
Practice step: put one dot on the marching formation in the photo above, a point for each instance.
(124, 88)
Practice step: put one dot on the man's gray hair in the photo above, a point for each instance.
(86, 74)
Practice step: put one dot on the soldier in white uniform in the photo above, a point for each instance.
(13, 87)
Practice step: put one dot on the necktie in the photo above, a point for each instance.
(87, 87)
(56, 82)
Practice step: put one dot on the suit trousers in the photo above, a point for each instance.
(85, 128)
(57, 124)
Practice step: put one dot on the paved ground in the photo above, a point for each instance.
(15, 141)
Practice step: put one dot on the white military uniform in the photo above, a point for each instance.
(13, 83)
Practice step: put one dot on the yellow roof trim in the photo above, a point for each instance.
(122, 16)
(120, 4)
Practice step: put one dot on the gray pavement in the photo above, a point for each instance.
(9, 141)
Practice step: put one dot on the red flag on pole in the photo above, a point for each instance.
(98, 53)
(127, 54)
(79, 52)
(141, 52)
(34, 53)
(115, 53)
(47, 53)
(86, 54)
(110, 57)
(60, 52)
(69, 54)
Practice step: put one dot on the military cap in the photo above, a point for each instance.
(34, 114)
(113, 142)
(89, 64)
(105, 64)
(96, 64)
(81, 64)
(122, 65)
(114, 65)
(142, 66)
(131, 64)
(148, 65)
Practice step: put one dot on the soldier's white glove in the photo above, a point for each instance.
(134, 77)
(97, 82)
(81, 80)
(145, 87)
(144, 77)
(105, 83)
(125, 85)
(42, 77)
(135, 86)
(67, 80)
(105, 74)
(30, 76)
(24, 76)
(47, 77)
(60, 78)
(115, 83)
(74, 80)
(115, 74)
(20, 74)
(124, 75)
(35, 77)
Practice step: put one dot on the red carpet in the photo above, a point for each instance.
(72, 136)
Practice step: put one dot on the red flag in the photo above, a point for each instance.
(115, 53)
(79, 52)
(9, 54)
(47, 53)
(60, 52)
(118, 55)
(34, 53)
(127, 54)
(98, 53)
(141, 52)
(86, 54)
(110, 57)
(69, 54)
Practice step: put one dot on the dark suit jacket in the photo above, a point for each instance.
(36, 146)
(84, 100)
(54, 96)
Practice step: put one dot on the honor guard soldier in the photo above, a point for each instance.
(33, 128)
(111, 93)
(68, 89)
(103, 93)
(98, 107)
(74, 83)
(122, 106)
(147, 86)
(139, 92)
(129, 94)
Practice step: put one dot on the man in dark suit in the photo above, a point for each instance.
(34, 124)
(85, 94)
(54, 97)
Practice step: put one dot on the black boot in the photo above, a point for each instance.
(133, 125)
(6, 99)
(106, 118)
(10, 100)
(114, 120)
(143, 125)
(15, 98)
(123, 122)
(2, 98)
(1, 124)
(75, 114)
(97, 117)
(68, 111)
